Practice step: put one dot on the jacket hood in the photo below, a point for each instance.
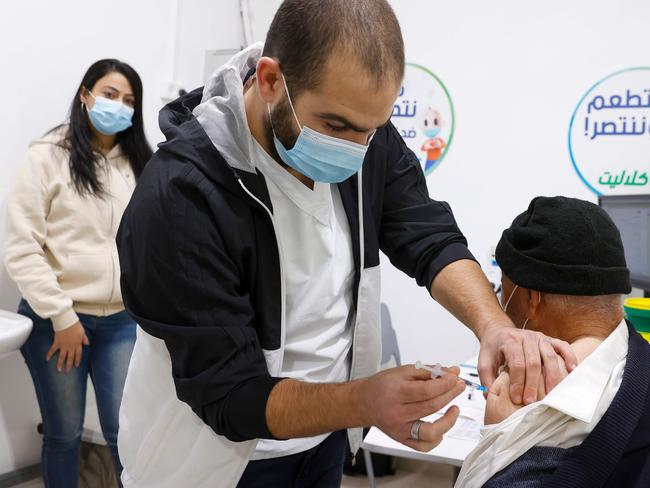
(209, 124)
(222, 113)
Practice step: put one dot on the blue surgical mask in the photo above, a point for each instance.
(318, 156)
(432, 132)
(109, 116)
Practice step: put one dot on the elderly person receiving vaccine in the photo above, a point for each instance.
(564, 274)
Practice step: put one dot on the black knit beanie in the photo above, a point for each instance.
(564, 246)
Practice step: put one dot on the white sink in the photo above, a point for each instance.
(14, 331)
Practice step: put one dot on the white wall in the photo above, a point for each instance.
(515, 71)
(206, 24)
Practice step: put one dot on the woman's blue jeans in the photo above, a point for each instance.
(62, 396)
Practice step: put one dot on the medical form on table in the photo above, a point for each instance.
(472, 410)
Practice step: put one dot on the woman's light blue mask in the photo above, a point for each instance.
(109, 116)
(318, 156)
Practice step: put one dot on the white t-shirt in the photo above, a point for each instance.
(318, 266)
(564, 418)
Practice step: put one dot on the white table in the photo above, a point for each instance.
(455, 446)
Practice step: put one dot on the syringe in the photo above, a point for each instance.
(437, 371)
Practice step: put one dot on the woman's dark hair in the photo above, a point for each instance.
(85, 161)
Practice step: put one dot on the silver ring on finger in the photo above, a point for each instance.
(415, 430)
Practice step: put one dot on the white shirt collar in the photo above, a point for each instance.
(563, 418)
(579, 393)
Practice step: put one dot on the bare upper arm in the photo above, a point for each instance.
(499, 406)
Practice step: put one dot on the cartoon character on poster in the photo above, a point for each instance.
(424, 116)
(435, 144)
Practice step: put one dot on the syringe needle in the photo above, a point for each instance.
(437, 371)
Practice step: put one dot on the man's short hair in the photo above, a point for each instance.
(305, 33)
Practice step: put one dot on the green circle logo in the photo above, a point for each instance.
(609, 134)
(424, 116)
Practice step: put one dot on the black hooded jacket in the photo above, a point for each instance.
(200, 267)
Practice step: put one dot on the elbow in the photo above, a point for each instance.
(241, 414)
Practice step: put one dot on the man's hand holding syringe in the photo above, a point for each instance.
(437, 371)
(415, 392)
(394, 400)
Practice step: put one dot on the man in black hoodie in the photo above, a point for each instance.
(251, 251)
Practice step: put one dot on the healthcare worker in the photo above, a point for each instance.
(250, 260)
(63, 215)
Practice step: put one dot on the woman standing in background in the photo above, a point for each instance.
(63, 214)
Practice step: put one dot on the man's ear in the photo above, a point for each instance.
(269, 80)
(534, 303)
